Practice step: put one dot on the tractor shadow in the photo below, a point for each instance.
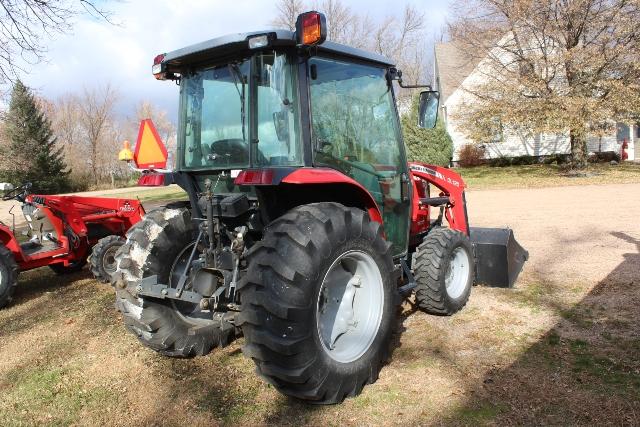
(585, 370)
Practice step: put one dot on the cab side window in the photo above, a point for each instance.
(353, 116)
(356, 131)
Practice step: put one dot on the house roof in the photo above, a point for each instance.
(453, 65)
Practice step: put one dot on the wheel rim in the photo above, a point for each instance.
(457, 272)
(350, 306)
(109, 260)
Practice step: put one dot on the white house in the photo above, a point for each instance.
(454, 69)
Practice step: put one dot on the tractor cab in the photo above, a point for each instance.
(258, 108)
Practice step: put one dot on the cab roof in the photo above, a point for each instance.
(232, 45)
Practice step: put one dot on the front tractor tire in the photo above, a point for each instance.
(443, 267)
(8, 275)
(103, 257)
(156, 246)
(319, 302)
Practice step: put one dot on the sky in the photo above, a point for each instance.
(97, 52)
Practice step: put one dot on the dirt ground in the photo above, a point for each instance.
(562, 348)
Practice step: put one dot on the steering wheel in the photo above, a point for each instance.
(17, 193)
(233, 151)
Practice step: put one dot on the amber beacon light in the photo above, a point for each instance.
(311, 28)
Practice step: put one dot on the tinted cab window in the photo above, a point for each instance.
(356, 130)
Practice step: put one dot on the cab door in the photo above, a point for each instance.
(355, 129)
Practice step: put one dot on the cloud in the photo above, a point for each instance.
(97, 53)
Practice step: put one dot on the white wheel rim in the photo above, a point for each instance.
(109, 260)
(458, 271)
(350, 306)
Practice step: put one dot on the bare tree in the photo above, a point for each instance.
(551, 66)
(25, 24)
(402, 38)
(96, 120)
(287, 12)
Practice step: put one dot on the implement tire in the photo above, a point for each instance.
(319, 302)
(443, 267)
(153, 246)
(102, 262)
(8, 275)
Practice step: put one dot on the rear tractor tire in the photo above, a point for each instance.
(103, 257)
(319, 302)
(157, 246)
(443, 267)
(8, 275)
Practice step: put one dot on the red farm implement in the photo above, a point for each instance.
(61, 232)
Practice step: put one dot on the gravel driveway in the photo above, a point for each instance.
(571, 233)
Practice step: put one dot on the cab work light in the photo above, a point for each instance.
(257, 42)
(158, 69)
(311, 28)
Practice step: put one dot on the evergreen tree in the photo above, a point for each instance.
(31, 154)
(433, 146)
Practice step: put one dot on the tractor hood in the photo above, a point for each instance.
(237, 45)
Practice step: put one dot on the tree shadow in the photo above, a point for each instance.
(52, 290)
(584, 370)
(34, 283)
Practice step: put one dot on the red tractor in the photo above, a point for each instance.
(62, 232)
(305, 223)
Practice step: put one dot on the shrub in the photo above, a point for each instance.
(79, 182)
(559, 159)
(471, 155)
(500, 162)
(604, 157)
(523, 160)
(433, 146)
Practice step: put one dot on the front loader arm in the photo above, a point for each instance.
(451, 195)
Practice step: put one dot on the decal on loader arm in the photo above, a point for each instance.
(451, 186)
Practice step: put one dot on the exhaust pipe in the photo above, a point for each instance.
(499, 257)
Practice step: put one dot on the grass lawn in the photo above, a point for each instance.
(534, 176)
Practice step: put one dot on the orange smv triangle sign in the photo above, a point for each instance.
(150, 151)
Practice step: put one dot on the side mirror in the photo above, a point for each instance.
(428, 109)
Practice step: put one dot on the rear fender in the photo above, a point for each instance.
(315, 178)
(281, 189)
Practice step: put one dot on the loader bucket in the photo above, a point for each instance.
(499, 258)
